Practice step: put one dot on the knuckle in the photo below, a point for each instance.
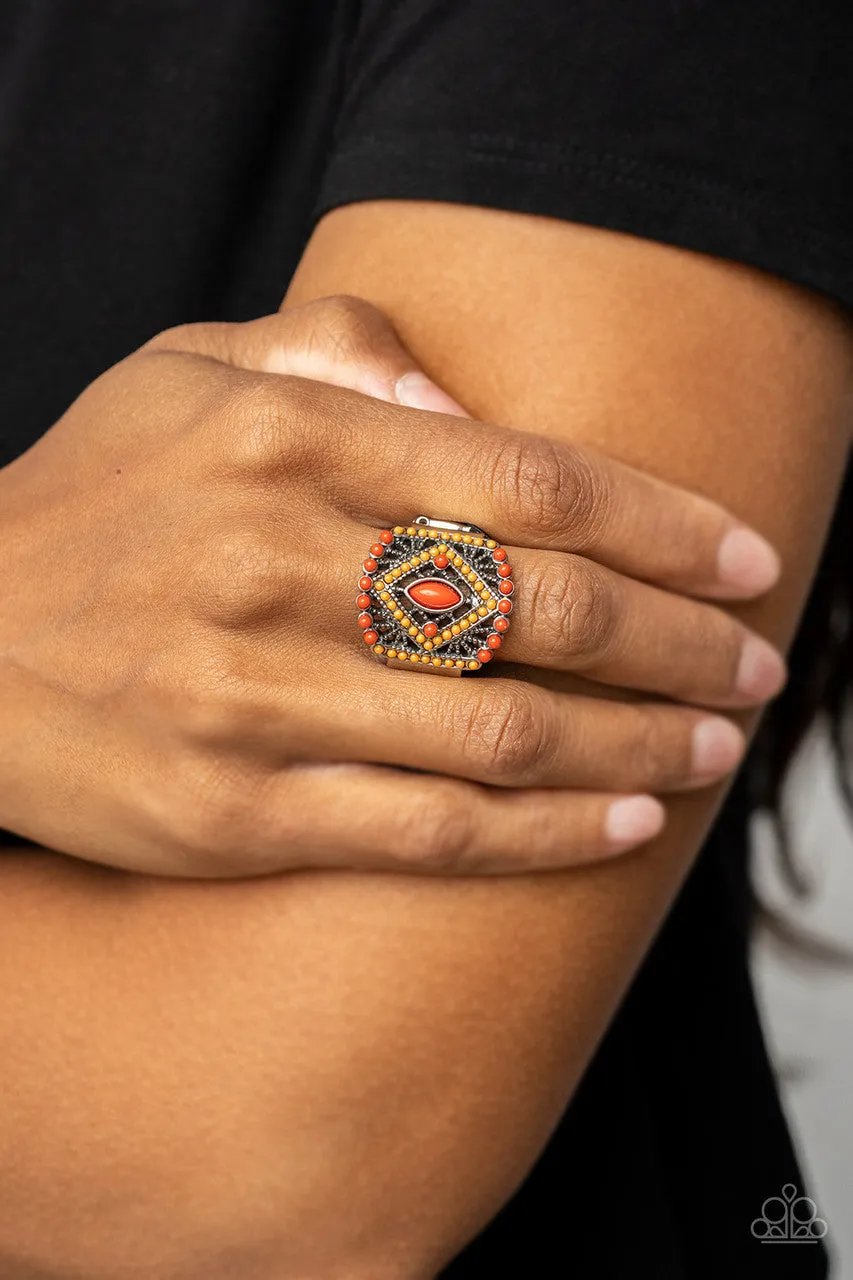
(255, 422)
(552, 488)
(572, 610)
(508, 737)
(659, 755)
(441, 840)
(221, 826)
(240, 581)
(273, 426)
(346, 322)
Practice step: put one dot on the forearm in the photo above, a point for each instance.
(314, 1075)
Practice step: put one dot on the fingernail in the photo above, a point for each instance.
(417, 391)
(747, 561)
(717, 747)
(761, 671)
(632, 820)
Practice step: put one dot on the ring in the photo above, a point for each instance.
(435, 596)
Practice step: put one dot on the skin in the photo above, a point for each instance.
(179, 666)
(354, 1081)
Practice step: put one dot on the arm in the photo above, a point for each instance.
(334, 1071)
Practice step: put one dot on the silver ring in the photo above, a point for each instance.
(435, 596)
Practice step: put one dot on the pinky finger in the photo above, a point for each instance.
(376, 818)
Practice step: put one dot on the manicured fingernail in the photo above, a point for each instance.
(761, 670)
(747, 561)
(632, 820)
(717, 747)
(417, 391)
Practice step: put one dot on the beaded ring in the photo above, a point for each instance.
(435, 595)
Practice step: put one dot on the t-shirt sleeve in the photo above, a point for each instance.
(722, 126)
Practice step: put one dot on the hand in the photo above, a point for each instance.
(184, 688)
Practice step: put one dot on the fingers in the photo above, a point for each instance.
(341, 340)
(575, 615)
(385, 820)
(512, 733)
(578, 616)
(534, 492)
(523, 488)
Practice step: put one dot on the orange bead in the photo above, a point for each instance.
(505, 606)
(365, 583)
(504, 570)
(485, 655)
(493, 641)
(377, 550)
(362, 601)
(430, 629)
(441, 562)
(506, 587)
(365, 621)
(370, 566)
(387, 537)
(433, 593)
(370, 637)
(499, 555)
(501, 624)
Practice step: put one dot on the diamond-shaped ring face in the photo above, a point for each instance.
(435, 598)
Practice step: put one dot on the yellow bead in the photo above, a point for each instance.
(411, 531)
(457, 559)
(445, 635)
(464, 624)
(424, 556)
(419, 638)
(405, 567)
(428, 644)
(472, 666)
(448, 662)
(478, 542)
(389, 577)
(492, 602)
(398, 614)
(392, 653)
(482, 611)
(455, 628)
(384, 595)
(413, 631)
(398, 528)
(436, 662)
(490, 543)
(456, 537)
(441, 548)
(414, 657)
(425, 657)
(459, 663)
(466, 537)
(395, 573)
(379, 648)
(472, 617)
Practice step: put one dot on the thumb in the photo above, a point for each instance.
(340, 340)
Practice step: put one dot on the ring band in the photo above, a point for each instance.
(435, 596)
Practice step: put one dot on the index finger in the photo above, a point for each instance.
(530, 491)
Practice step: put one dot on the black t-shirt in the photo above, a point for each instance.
(165, 160)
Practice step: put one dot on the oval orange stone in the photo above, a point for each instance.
(434, 594)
